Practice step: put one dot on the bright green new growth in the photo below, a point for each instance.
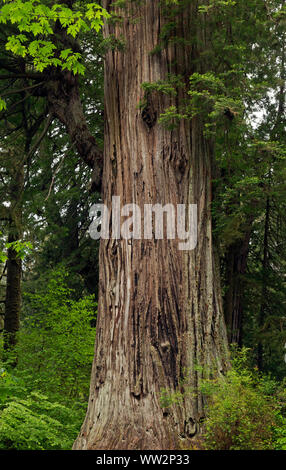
(35, 25)
(20, 247)
(35, 423)
(33, 19)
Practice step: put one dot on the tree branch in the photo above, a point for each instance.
(20, 90)
(40, 138)
(65, 104)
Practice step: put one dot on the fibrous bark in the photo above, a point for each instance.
(160, 311)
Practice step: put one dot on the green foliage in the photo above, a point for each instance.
(280, 432)
(3, 105)
(242, 412)
(170, 119)
(36, 423)
(172, 2)
(168, 399)
(3, 257)
(43, 399)
(213, 4)
(167, 87)
(209, 94)
(56, 342)
(21, 248)
(40, 31)
(36, 19)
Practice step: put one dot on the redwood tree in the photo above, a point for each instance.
(160, 311)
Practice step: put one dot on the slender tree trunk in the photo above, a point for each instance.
(13, 297)
(263, 307)
(3, 268)
(160, 312)
(236, 264)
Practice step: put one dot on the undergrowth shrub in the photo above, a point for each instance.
(32, 421)
(44, 398)
(56, 340)
(244, 410)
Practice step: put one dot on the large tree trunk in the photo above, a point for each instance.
(160, 313)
